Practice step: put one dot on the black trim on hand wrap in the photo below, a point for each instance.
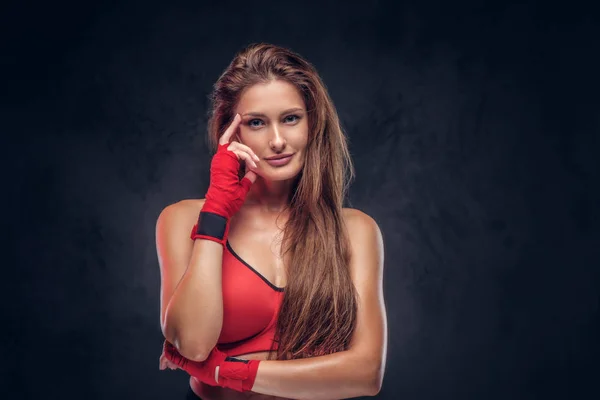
(211, 224)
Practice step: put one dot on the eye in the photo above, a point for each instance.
(252, 125)
(256, 123)
(292, 116)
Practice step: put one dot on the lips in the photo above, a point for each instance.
(279, 161)
(279, 157)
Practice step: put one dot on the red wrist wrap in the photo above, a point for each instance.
(224, 197)
(238, 374)
(234, 373)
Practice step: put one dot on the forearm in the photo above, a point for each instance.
(194, 315)
(335, 376)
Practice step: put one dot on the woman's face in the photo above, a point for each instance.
(274, 122)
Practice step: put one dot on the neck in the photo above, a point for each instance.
(269, 196)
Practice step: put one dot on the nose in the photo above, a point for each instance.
(277, 141)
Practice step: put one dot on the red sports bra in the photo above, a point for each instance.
(250, 307)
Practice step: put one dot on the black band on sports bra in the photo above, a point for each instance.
(236, 359)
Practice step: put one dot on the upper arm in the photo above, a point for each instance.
(173, 248)
(369, 338)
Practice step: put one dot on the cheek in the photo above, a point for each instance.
(301, 136)
(245, 138)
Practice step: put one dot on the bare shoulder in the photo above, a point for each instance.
(366, 239)
(182, 209)
(175, 220)
(357, 219)
(190, 205)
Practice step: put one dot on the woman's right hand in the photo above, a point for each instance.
(242, 151)
(226, 192)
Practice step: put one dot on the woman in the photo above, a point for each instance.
(269, 287)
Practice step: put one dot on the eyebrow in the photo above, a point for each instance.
(257, 114)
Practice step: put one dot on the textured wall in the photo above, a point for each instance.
(474, 132)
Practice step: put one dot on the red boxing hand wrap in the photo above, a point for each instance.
(224, 197)
(234, 373)
(238, 374)
(197, 369)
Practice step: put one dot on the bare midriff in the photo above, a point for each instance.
(208, 392)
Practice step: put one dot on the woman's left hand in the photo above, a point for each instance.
(205, 371)
(217, 369)
(165, 363)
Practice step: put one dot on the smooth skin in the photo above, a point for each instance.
(255, 236)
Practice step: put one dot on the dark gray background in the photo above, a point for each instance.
(474, 131)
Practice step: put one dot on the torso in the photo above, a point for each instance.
(256, 238)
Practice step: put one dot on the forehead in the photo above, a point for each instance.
(272, 96)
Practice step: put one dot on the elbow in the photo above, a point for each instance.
(190, 349)
(170, 333)
(373, 387)
(374, 380)
(374, 390)
(197, 356)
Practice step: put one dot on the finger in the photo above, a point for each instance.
(248, 158)
(226, 138)
(248, 180)
(251, 178)
(172, 366)
(245, 156)
(240, 146)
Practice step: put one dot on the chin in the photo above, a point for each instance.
(278, 177)
(279, 174)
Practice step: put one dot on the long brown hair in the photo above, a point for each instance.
(318, 313)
